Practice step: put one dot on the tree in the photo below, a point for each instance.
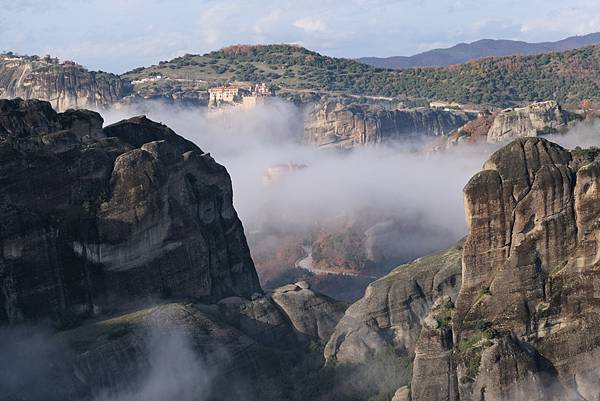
(586, 105)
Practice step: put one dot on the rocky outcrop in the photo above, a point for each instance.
(236, 348)
(312, 315)
(334, 124)
(530, 121)
(393, 308)
(66, 85)
(524, 325)
(92, 218)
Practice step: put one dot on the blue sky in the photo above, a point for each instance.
(117, 35)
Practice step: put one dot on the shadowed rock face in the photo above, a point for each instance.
(91, 218)
(65, 85)
(288, 316)
(333, 124)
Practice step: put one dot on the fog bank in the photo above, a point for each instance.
(419, 189)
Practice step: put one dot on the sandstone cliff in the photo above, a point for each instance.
(533, 120)
(525, 322)
(65, 85)
(536, 119)
(334, 124)
(93, 217)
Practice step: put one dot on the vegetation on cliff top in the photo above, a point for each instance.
(568, 77)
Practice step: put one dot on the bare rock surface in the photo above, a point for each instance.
(334, 124)
(433, 364)
(312, 315)
(530, 121)
(91, 218)
(525, 322)
(393, 309)
(518, 318)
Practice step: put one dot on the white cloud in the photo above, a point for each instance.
(146, 31)
(310, 24)
(265, 23)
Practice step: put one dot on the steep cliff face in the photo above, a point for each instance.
(65, 85)
(334, 124)
(533, 120)
(525, 323)
(93, 218)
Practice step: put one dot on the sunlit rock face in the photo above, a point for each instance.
(334, 124)
(92, 218)
(530, 121)
(525, 322)
(65, 85)
(393, 308)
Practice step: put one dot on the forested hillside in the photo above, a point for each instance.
(568, 77)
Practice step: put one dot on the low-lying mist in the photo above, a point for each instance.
(393, 180)
(405, 202)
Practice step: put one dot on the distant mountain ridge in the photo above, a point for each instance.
(464, 52)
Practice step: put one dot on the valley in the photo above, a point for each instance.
(265, 222)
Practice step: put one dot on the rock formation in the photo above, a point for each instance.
(66, 85)
(334, 124)
(126, 240)
(91, 218)
(237, 348)
(288, 315)
(533, 120)
(524, 325)
(312, 315)
(393, 308)
(536, 119)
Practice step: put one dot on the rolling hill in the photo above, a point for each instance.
(463, 52)
(567, 77)
(302, 75)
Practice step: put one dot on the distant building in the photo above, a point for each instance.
(262, 89)
(446, 105)
(278, 171)
(245, 95)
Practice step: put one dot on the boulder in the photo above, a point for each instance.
(312, 315)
